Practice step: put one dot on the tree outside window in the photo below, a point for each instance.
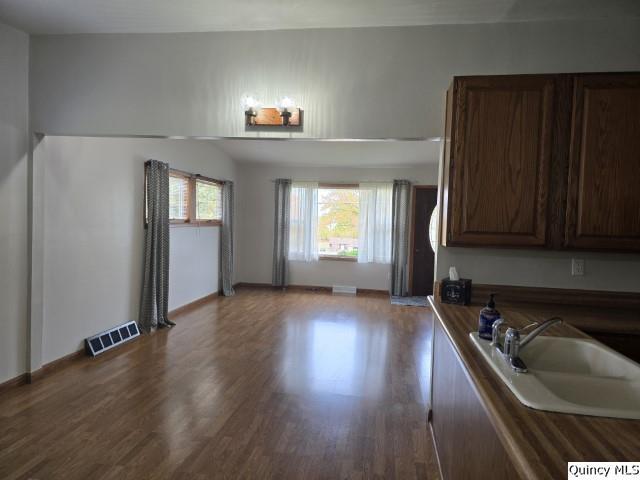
(338, 218)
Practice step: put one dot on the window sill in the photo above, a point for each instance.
(213, 223)
(338, 259)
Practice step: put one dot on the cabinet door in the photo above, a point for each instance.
(466, 442)
(603, 205)
(499, 161)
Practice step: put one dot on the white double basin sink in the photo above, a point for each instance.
(570, 375)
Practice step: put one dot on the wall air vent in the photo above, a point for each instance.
(111, 338)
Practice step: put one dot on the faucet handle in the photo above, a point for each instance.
(512, 343)
(495, 332)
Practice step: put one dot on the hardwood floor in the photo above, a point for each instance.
(265, 384)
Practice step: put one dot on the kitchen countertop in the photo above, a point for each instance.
(539, 443)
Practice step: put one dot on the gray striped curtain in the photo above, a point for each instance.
(155, 284)
(280, 276)
(226, 240)
(400, 238)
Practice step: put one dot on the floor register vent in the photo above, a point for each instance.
(111, 338)
(344, 289)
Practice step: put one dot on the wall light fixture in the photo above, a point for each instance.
(284, 114)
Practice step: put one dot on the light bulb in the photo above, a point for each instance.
(285, 104)
(250, 102)
(251, 106)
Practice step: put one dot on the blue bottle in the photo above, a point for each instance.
(488, 315)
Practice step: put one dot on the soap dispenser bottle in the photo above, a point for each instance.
(488, 315)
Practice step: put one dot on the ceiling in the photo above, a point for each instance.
(312, 153)
(147, 16)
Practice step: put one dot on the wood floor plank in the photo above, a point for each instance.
(265, 384)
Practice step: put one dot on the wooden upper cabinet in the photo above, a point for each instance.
(496, 170)
(603, 197)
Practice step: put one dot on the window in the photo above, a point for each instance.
(340, 222)
(194, 200)
(338, 215)
(208, 200)
(178, 197)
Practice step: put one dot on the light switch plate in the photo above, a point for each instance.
(577, 267)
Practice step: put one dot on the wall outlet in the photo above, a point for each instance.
(577, 267)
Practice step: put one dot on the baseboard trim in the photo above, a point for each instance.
(255, 285)
(54, 366)
(310, 288)
(193, 305)
(13, 382)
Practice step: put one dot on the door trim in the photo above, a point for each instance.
(413, 226)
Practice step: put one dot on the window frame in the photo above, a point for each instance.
(187, 177)
(193, 204)
(191, 220)
(336, 186)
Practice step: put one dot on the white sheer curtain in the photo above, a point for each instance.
(374, 239)
(303, 229)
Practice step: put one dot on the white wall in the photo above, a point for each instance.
(541, 268)
(194, 264)
(352, 83)
(257, 209)
(14, 107)
(93, 233)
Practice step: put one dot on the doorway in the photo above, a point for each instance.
(422, 256)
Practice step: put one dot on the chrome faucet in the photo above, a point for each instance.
(539, 329)
(513, 344)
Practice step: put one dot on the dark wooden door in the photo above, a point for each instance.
(603, 206)
(423, 257)
(498, 177)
